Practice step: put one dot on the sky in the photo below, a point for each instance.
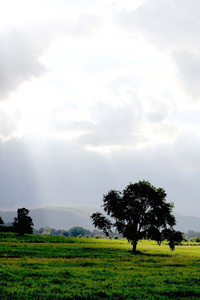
(96, 94)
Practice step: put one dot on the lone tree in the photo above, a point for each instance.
(23, 223)
(139, 211)
(1, 221)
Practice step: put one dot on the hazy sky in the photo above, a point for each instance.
(95, 94)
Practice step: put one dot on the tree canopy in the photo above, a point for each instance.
(139, 211)
(76, 231)
(1, 221)
(23, 223)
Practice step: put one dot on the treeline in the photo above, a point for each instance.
(21, 224)
(76, 231)
(192, 234)
(73, 232)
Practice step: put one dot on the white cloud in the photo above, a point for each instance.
(165, 23)
(188, 69)
(8, 126)
(24, 43)
(172, 27)
(153, 134)
(98, 94)
(19, 62)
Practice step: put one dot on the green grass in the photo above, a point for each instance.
(36, 267)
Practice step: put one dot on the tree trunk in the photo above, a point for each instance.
(134, 243)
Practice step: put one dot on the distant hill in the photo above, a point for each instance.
(68, 217)
(57, 217)
(185, 223)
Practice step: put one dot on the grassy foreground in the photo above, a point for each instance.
(36, 267)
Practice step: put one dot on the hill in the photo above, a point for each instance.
(185, 223)
(56, 217)
(68, 217)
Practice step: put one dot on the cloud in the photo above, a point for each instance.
(18, 185)
(19, 62)
(40, 172)
(165, 23)
(102, 124)
(157, 110)
(8, 125)
(188, 69)
(97, 99)
(174, 28)
(23, 46)
(114, 126)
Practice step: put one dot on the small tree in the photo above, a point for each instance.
(1, 221)
(23, 223)
(139, 211)
(76, 231)
(47, 231)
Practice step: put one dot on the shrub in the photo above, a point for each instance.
(98, 236)
(195, 239)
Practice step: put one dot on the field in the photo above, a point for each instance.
(39, 267)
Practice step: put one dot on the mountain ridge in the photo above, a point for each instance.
(67, 217)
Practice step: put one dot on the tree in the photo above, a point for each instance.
(47, 231)
(76, 231)
(23, 223)
(1, 221)
(139, 211)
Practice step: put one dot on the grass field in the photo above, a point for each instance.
(36, 267)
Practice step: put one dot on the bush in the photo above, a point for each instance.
(195, 239)
(98, 236)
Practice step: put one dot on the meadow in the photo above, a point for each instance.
(49, 267)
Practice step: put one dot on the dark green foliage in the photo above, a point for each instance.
(6, 228)
(52, 231)
(72, 232)
(102, 223)
(76, 231)
(23, 223)
(195, 239)
(12, 237)
(140, 211)
(98, 236)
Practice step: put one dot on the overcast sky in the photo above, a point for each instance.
(95, 94)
